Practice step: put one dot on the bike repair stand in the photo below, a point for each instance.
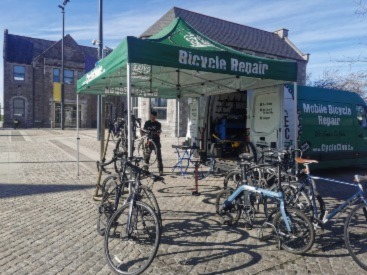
(196, 191)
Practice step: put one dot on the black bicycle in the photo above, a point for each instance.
(115, 189)
(133, 231)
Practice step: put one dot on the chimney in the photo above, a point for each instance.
(282, 33)
(4, 43)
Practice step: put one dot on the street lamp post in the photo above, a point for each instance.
(62, 7)
(100, 56)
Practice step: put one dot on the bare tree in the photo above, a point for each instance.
(354, 81)
(361, 7)
(333, 79)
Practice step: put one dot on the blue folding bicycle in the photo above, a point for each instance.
(293, 229)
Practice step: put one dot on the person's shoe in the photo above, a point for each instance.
(161, 173)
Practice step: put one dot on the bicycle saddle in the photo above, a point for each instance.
(262, 146)
(245, 157)
(305, 161)
(360, 178)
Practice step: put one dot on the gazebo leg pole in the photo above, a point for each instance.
(77, 132)
(295, 96)
(129, 134)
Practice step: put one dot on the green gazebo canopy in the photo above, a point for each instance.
(181, 62)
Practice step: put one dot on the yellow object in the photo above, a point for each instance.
(57, 92)
(236, 144)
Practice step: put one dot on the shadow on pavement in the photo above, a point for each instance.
(19, 190)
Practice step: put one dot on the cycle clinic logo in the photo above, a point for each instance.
(197, 41)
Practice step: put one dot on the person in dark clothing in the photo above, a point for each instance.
(16, 123)
(155, 128)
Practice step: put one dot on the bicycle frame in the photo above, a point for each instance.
(356, 196)
(264, 192)
(359, 195)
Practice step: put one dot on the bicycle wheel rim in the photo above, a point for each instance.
(230, 216)
(148, 153)
(355, 235)
(147, 196)
(232, 180)
(133, 252)
(204, 169)
(108, 196)
(302, 235)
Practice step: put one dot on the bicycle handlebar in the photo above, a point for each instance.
(103, 165)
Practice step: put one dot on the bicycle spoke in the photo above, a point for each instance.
(355, 234)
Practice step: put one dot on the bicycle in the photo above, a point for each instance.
(113, 188)
(263, 172)
(146, 147)
(355, 227)
(133, 227)
(294, 231)
(237, 146)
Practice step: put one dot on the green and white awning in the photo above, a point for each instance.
(180, 62)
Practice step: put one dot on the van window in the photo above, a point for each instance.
(361, 116)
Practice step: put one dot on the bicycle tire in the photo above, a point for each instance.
(248, 147)
(108, 188)
(205, 169)
(355, 229)
(147, 151)
(232, 215)
(233, 178)
(302, 231)
(119, 151)
(147, 196)
(300, 201)
(124, 250)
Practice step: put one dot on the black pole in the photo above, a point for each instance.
(62, 7)
(62, 71)
(100, 56)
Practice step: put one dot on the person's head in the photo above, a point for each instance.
(153, 115)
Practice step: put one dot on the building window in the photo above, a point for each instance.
(135, 106)
(68, 76)
(159, 105)
(56, 75)
(18, 107)
(19, 73)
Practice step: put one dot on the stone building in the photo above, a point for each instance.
(275, 45)
(32, 87)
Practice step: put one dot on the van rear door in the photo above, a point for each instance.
(265, 122)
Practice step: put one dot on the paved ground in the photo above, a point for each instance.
(48, 216)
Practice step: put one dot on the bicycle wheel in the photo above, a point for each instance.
(105, 209)
(132, 250)
(232, 179)
(205, 169)
(300, 200)
(121, 146)
(302, 235)
(355, 234)
(233, 214)
(147, 196)
(248, 147)
(147, 149)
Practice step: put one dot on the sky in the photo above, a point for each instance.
(328, 30)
